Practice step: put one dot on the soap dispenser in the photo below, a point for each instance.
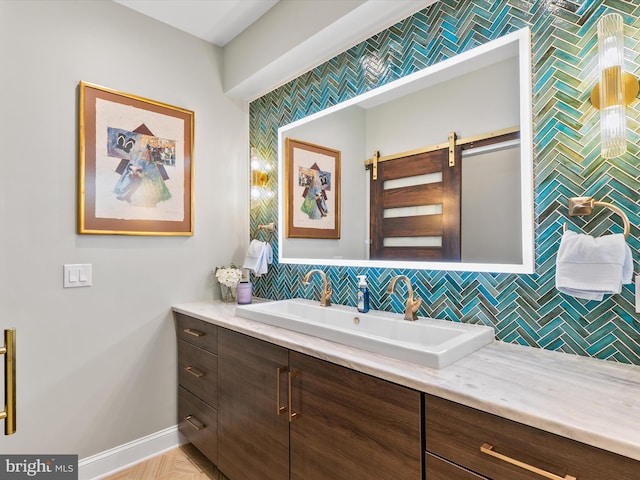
(363, 294)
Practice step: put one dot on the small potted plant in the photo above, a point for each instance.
(228, 278)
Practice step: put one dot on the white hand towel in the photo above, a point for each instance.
(589, 268)
(269, 253)
(262, 266)
(255, 257)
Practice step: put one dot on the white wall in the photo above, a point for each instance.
(96, 366)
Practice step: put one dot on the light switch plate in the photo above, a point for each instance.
(76, 275)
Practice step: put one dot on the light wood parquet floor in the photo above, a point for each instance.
(182, 463)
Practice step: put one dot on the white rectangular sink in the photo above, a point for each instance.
(426, 341)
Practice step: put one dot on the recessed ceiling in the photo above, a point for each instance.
(216, 21)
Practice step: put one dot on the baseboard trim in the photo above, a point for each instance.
(111, 461)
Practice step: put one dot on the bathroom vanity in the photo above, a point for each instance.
(263, 402)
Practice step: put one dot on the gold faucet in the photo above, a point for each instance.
(412, 304)
(327, 290)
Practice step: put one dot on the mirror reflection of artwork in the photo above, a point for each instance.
(316, 183)
(313, 190)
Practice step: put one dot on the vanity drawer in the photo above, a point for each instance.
(198, 422)
(457, 433)
(440, 469)
(198, 372)
(197, 332)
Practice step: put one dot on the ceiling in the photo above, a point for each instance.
(216, 21)
(261, 52)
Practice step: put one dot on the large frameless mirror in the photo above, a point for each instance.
(472, 111)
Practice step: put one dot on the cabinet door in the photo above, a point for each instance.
(253, 440)
(351, 426)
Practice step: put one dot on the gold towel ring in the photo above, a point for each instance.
(584, 206)
(269, 228)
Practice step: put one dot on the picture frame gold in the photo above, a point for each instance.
(312, 190)
(135, 165)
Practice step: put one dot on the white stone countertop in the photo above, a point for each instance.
(593, 401)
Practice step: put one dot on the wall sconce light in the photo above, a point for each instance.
(616, 88)
(259, 176)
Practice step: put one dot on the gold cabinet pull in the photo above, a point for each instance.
(195, 333)
(280, 408)
(194, 371)
(194, 423)
(488, 449)
(9, 351)
(290, 376)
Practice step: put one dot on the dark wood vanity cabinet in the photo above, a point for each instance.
(287, 415)
(198, 383)
(465, 443)
(262, 412)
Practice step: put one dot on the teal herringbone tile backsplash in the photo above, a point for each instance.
(525, 309)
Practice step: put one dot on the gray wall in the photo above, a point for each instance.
(426, 117)
(96, 366)
(345, 131)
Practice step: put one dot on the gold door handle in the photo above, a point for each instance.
(195, 333)
(197, 426)
(194, 371)
(9, 412)
(280, 408)
(290, 376)
(488, 449)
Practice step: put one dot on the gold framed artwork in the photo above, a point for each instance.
(312, 190)
(135, 165)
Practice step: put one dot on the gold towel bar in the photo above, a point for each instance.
(584, 206)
